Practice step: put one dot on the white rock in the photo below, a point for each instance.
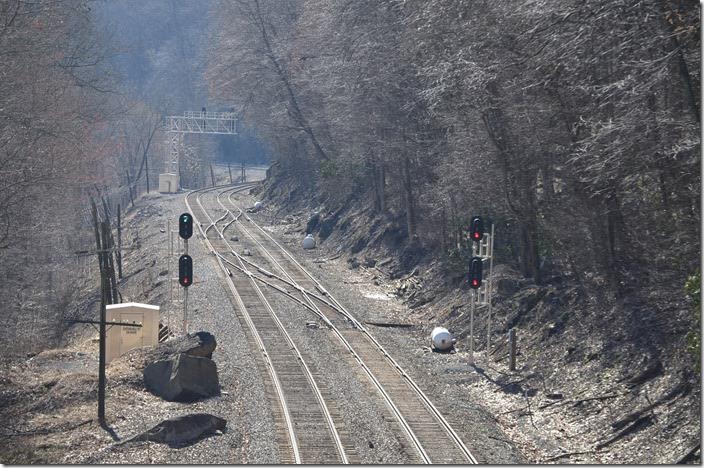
(441, 339)
(309, 242)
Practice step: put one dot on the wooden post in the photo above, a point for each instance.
(212, 175)
(229, 171)
(119, 243)
(512, 349)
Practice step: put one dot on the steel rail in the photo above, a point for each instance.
(306, 370)
(341, 309)
(375, 382)
(308, 373)
(253, 330)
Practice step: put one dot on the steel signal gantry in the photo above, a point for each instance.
(214, 123)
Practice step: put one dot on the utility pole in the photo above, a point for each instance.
(108, 294)
(101, 353)
(229, 171)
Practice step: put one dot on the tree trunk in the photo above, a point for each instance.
(683, 69)
(379, 183)
(382, 188)
(96, 231)
(616, 241)
(118, 252)
(457, 231)
(294, 110)
(530, 253)
(129, 186)
(443, 226)
(408, 198)
(107, 246)
(146, 169)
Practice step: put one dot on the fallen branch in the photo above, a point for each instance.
(636, 414)
(550, 403)
(601, 397)
(389, 324)
(508, 384)
(568, 454)
(637, 425)
(514, 410)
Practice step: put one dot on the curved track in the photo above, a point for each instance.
(427, 429)
(309, 429)
(307, 432)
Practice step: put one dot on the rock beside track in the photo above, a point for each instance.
(182, 430)
(182, 378)
(199, 344)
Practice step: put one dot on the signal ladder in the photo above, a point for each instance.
(481, 297)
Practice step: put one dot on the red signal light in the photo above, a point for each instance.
(475, 272)
(476, 227)
(185, 270)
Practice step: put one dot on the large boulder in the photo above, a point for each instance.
(182, 430)
(201, 344)
(183, 378)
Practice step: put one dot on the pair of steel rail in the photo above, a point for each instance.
(426, 433)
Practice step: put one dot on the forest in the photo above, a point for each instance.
(574, 126)
(84, 91)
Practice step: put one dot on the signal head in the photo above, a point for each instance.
(185, 225)
(475, 273)
(185, 270)
(476, 229)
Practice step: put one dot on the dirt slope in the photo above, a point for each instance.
(597, 381)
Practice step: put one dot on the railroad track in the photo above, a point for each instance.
(306, 427)
(429, 432)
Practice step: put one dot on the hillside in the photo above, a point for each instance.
(598, 380)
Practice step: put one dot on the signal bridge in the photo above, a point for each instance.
(214, 123)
